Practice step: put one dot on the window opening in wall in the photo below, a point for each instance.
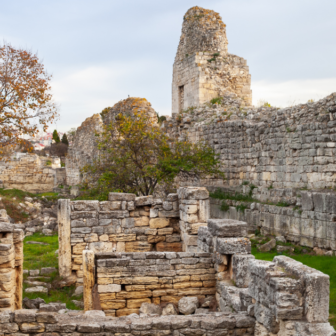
(181, 98)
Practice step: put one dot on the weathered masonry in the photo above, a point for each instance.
(11, 270)
(32, 173)
(203, 68)
(127, 223)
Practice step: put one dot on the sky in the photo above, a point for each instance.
(101, 51)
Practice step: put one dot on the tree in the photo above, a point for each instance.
(25, 98)
(65, 139)
(56, 137)
(136, 156)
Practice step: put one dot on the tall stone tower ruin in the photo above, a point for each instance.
(203, 68)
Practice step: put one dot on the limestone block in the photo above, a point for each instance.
(113, 214)
(125, 312)
(240, 269)
(78, 248)
(193, 193)
(168, 247)
(64, 252)
(233, 245)
(143, 200)
(107, 296)
(110, 206)
(188, 305)
(227, 228)
(6, 227)
(167, 206)
(97, 247)
(307, 201)
(112, 288)
(137, 303)
(189, 208)
(113, 196)
(165, 231)
(158, 223)
(169, 214)
(84, 205)
(141, 221)
(153, 213)
(138, 246)
(189, 218)
(204, 210)
(88, 278)
(122, 237)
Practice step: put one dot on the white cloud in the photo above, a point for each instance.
(292, 92)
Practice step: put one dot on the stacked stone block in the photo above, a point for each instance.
(32, 322)
(309, 221)
(11, 271)
(194, 213)
(126, 280)
(124, 223)
(30, 172)
(231, 252)
(289, 298)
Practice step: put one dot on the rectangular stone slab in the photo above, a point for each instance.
(233, 245)
(227, 228)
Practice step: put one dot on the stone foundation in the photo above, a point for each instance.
(11, 270)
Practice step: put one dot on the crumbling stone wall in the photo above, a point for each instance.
(11, 267)
(84, 150)
(125, 223)
(126, 280)
(31, 173)
(32, 322)
(285, 297)
(203, 68)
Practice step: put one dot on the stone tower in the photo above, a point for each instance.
(203, 68)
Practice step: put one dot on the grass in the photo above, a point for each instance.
(38, 256)
(324, 264)
(11, 198)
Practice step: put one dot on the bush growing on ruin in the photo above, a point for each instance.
(25, 98)
(136, 156)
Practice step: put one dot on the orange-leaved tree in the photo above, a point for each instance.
(25, 96)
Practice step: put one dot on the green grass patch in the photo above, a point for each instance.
(38, 256)
(324, 264)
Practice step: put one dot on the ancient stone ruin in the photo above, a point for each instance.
(182, 265)
(203, 68)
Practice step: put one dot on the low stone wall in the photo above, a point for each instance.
(286, 297)
(308, 220)
(31, 173)
(11, 270)
(127, 223)
(24, 322)
(126, 280)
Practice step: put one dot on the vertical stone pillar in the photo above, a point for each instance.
(64, 231)
(18, 246)
(88, 278)
(194, 208)
(7, 266)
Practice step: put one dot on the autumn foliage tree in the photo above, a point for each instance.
(25, 96)
(136, 156)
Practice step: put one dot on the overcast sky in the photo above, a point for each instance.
(101, 51)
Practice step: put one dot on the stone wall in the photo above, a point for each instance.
(32, 173)
(126, 280)
(309, 220)
(32, 322)
(83, 150)
(284, 148)
(11, 267)
(127, 223)
(286, 297)
(203, 68)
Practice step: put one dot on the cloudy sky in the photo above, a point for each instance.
(101, 51)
